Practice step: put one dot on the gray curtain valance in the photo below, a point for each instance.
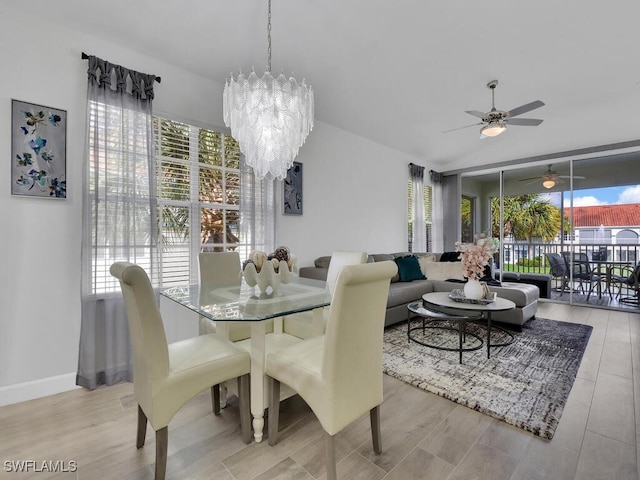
(436, 177)
(416, 171)
(114, 77)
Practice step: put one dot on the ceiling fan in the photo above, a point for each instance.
(550, 178)
(495, 121)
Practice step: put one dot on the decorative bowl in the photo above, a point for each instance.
(267, 276)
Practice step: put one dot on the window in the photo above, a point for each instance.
(197, 180)
(198, 173)
(118, 215)
(427, 214)
(467, 209)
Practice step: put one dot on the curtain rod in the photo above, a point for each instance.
(86, 57)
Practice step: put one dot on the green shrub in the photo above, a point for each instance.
(530, 262)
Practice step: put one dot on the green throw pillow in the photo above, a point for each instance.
(409, 268)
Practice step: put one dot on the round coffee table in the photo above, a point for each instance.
(434, 320)
(440, 302)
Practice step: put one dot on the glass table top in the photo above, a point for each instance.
(240, 302)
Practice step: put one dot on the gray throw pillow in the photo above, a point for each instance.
(322, 262)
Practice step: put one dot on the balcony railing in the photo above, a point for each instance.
(530, 256)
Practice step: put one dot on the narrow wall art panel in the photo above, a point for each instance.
(292, 196)
(38, 150)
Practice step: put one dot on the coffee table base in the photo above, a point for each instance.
(433, 320)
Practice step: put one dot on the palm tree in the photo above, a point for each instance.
(213, 189)
(465, 210)
(526, 217)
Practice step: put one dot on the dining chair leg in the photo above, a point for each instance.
(142, 428)
(274, 412)
(330, 456)
(162, 441)
(215, 399)
(244, 405)
(374, 415)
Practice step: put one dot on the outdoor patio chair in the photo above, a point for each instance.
(629, 279)
(579, 269)
(558, 270)
(599, 254)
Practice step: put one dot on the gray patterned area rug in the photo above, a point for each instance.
(525, 384)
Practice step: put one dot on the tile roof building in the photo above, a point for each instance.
(620, 216)
(613, 224)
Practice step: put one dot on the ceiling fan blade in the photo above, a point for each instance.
(525, 122)
(460, 128)
(530, 178)
(475, 113)
(575, 177)
(525, 108)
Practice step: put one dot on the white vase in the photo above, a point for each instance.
(473, 289)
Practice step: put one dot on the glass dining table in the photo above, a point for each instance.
(239, 302)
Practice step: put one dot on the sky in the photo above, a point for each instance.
(604, 196)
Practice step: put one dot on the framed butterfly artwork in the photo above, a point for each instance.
(38, 150)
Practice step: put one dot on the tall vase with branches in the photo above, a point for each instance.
(475, 257)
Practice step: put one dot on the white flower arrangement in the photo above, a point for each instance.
(476, 256)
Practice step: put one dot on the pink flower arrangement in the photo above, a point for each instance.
(476, 256)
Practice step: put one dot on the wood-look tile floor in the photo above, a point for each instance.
(424, 436)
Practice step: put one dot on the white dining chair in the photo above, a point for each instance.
(220, 269)
(339, 374)
(167, 376)
(301, 324)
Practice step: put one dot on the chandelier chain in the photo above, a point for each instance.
(269, 39)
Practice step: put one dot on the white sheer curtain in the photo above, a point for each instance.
(257, 212)
(437, 214)
(419, 224)
(119, 214)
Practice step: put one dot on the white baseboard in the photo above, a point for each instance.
(43, 387)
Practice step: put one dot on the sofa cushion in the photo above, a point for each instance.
(443, 270)
(423, 259)
(450, 257)
(322, 262)
(401, 293)
(384, 257)
(427, 257)
(409, 268)
(520, 293)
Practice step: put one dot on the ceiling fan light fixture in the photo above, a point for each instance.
(549, 183)
(493, 129)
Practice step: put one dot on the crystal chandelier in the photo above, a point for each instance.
(269, 117)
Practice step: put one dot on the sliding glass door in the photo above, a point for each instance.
(588, 206)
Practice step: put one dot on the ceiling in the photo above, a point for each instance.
(399, 73)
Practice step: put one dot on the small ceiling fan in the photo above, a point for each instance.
(495, 121)
(550, 178)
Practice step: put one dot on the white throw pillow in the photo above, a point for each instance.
(423, 259)
(442, 270)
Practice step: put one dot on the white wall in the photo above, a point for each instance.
(354, 197)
